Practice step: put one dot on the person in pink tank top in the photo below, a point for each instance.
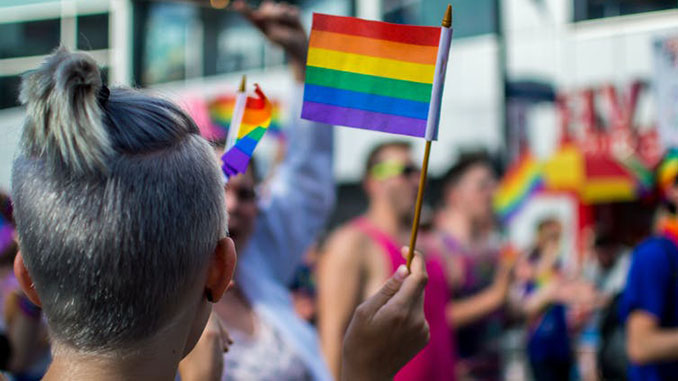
(360, 255)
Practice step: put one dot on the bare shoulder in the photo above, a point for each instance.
(345, 244)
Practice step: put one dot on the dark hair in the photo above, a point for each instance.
(604, 238)
(373, 156)
(546, 221)
(465, 162)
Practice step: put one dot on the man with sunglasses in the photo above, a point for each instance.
(360, 255)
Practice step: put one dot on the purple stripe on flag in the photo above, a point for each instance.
(236, 160)
(367, 120)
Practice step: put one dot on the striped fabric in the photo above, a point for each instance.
(255, 122)
(369, 74)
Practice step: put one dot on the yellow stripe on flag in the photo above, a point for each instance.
(246, 129)
(380, 67)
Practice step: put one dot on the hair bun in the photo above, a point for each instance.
(64, 123)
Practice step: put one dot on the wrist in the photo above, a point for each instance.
(355, 372)
(298, 68)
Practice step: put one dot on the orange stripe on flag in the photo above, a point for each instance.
(373, 47)
(256, 116)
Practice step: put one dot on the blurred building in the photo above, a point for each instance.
(509, 58)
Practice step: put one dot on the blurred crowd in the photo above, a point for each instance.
(303, 304)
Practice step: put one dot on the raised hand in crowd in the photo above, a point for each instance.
(280, 23)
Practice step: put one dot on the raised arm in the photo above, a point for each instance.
(300, 196)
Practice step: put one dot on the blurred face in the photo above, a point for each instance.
(549, 235)
(395, 179)
(472, 195)
(241, 205)
(606, 255)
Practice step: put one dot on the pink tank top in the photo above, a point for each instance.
(436, 360)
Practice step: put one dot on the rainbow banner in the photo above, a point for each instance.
(375, 75)
(520, 183)
(255, 121)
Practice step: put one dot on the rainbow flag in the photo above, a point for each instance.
(520, 183)
(255, 121)
(221, 114)
(374, 75)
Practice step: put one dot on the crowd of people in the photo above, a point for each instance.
(129, 257)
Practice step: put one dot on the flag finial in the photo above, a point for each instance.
(243, 84)
(447, 19)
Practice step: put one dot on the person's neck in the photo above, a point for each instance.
(459, 226)
(155, 360)
(385, 218)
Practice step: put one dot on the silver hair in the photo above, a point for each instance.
(119, 205)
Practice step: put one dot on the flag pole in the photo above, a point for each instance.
(238, 111)
(432, 125)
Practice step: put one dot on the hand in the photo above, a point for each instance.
(389, 328)
(281, 25)
(206, 360)
(504, 277)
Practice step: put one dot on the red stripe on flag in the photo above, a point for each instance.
(407, 34)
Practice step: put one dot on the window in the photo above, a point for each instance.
(471, 17)
(28, 38)
(596, 9)
(92, 32)
(165, 42)
(9, 91)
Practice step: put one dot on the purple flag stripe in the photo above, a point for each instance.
(235, 159)
(367, 120)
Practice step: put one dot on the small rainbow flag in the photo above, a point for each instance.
(255, 121)
(221, 114)
(521, 181)
(375, 75)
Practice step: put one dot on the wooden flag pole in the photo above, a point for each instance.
(420, 202)
(447, 23)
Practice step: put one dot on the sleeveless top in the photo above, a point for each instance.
(477, 343)
(436, 360)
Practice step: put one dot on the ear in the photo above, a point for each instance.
(25, 280)
(221, 268)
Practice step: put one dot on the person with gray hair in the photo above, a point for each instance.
(119, 211)
(123, 243)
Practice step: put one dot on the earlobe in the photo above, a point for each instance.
(25, 280)
(221, 269)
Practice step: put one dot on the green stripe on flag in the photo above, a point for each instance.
(369, 84)
(257, 133)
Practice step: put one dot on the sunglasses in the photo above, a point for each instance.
(390, 169)
(243, 194)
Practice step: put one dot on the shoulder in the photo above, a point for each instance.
(346, 243)
(653, 250)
